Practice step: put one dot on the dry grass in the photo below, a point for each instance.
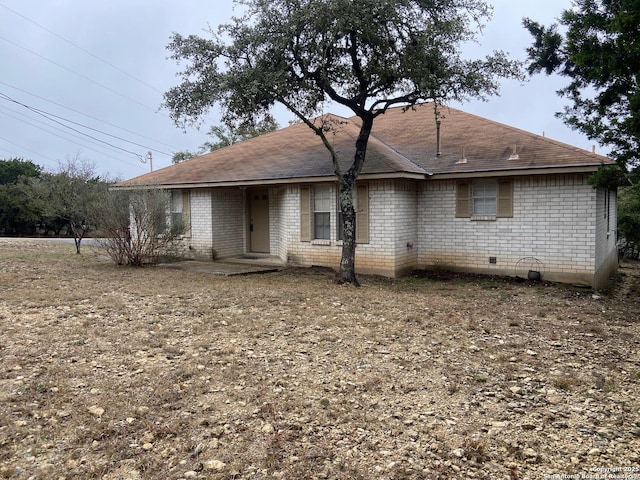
(115, 373)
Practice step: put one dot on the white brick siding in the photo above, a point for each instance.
(606, 235)
(284, 211)
(217, 223)
(392, 227)
(557, 219)
(229, 222)
(554, 220)
(200, 239)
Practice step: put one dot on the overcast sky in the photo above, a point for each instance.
(103, 65)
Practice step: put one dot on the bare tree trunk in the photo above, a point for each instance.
(347, 270)
(78, 234)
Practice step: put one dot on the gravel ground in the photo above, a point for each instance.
(117, 373)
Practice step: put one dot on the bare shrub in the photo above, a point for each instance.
(138, 228)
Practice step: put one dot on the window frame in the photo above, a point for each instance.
(321, 206)
(307, 208)
(180, 209)
(464, 202)
(482, 197)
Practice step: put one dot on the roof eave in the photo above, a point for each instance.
(542, 170)
(270, 181)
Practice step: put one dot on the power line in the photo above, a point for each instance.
(63, 132)
(45, 115)
(115, 67)
(13, 155)
(42, 112)
(49, 116)
(115, 92)
(91, 117)
(114, 89)
(99, 131)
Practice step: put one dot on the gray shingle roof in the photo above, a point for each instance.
(402, 142)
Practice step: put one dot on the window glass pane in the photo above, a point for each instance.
(176, 219)
(485, 197)
(176, 201)
(322, 225)
(322, 198)
(483, 206)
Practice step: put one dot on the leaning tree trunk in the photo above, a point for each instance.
(347, 270)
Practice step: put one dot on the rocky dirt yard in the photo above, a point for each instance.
(117, 373)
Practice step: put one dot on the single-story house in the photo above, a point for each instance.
(465, 194)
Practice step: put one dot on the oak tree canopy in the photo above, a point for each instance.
(365, 55)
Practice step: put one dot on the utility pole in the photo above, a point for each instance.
(150, 158)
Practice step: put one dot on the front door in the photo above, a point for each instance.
(259, 221)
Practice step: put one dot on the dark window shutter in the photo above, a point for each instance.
(505, 199)
(362, 213)
(186, 211)
(463, 200)
(305, 214)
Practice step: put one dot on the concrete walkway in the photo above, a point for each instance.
(229, 267)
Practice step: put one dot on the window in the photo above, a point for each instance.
(484, 199)
(316, 204)
(180, 209)
(322, 212)
(176, 207)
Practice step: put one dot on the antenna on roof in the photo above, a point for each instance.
(438, 153)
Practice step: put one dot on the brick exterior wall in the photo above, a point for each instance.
(218, 222)
(558, 219)
(554, 220)
(281, 206)
(606, 236)
(199, 239)
(229, 222)
(392, 228)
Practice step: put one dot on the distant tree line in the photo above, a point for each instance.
(35, 202)
(74, 201)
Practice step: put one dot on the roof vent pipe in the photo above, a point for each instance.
(514, 155)
(463, 159)
(438, 153)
